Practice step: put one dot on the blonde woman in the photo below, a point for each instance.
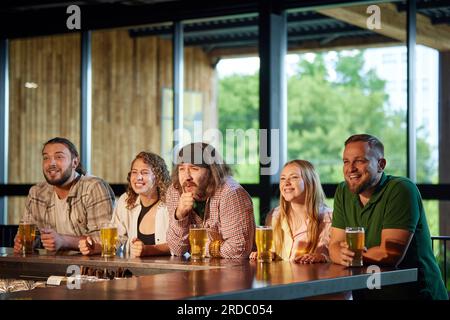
(301, 223)
(141, 215)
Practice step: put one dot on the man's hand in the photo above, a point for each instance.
(136, 247)
(17, 244)
(346, 255)
(51, 240)
(88, 246)
(185, 205)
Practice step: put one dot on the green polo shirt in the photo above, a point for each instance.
(395, 204)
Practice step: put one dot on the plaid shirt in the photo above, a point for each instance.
(89, 204)
(229, 212)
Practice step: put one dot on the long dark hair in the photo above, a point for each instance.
(208, 158)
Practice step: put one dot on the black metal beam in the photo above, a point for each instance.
(178, 80)
(22, 189)
(428, 191)
(4, 123)
(293, 35)
(410, 90)
(444, 136)
(86, 101)
(314, 34)
(296, 41)
(236, 25)
(53, 20)
(440, 20)
(272, 97)
(425, 5)
(201, 28)
(316, 4)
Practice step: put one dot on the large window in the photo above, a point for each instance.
(230, 90)
(238, 98)
(346, 73)
(335, 92)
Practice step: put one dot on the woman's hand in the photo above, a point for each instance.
(254, 255)
(136, 248)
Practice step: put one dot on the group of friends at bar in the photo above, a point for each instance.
(154, 214)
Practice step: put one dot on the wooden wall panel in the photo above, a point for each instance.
(200, 76)
(129, 75)
(36, 115)
(128, 78)
(125, 108)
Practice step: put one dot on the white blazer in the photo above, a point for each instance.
(126, 220)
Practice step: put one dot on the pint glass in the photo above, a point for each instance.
(355, 240)
(264, 241)
(108, 238)
(27, 233)
(198, 237)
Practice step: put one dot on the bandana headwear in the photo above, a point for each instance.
(199, 154)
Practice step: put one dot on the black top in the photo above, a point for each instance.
(199, 208)
(147, 239)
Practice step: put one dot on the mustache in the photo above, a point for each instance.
(189, 184)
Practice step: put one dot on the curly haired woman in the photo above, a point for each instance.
(140, 214)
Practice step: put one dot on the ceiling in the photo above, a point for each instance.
(22, 18)
(303, 27)
(28, 5)
(242, 31)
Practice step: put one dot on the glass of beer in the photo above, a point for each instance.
(264, 241)
(354, 237)
(198, 236)
(263, 272)
(108, 238)
(27, 234)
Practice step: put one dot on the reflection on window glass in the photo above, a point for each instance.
(334, 94)
(432, 212)
(192, 121)
(330, 203)
(432, 208)
(426, 99)
(238, 100)
(256, 210)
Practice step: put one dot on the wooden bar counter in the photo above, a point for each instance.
(176, 278)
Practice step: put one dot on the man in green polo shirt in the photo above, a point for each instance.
(391, 211)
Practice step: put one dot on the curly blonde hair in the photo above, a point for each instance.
(160, 171)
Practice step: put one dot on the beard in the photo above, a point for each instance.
(362, 186)
(199, 190)
(59, 182)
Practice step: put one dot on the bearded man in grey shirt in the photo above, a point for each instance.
(70, 205)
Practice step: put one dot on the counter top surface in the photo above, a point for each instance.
(208, 279)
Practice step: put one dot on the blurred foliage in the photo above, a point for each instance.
(327, 102)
